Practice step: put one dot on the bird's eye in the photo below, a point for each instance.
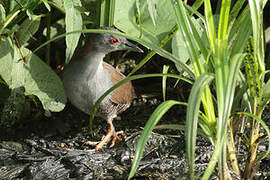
(114, 41)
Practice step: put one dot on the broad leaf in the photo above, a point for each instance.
(125, 19)
(27, 29)
(34, 75)
(152, 10)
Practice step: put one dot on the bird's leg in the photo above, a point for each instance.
(116, 138)
(110, 136)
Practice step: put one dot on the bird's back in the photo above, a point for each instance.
(124, 94)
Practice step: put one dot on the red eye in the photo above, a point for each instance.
(114, 41)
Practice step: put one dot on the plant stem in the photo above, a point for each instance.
(251, 165)
(231, 149)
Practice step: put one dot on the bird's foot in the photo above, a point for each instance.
(110, 136)
(116, 138)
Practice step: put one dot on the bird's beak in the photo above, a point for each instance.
(132, 47)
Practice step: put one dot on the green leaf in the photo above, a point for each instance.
(153, 120)
(74, 22)
(266, 95)
(224, 19)
(57, 28)
(125, 19)
(27, 29)
(152, 10)
(240, 33)
(35, 76)
(257, 27)
(267, 35)
(266, 89)
(8, 20)
(30, 13)
(191, 41)
(224, 113)
(194, 102)
(164, 81)
(6, 60)
(210, 26)
(45, 2)
(2, 14)
(106, 13)
(179, 48)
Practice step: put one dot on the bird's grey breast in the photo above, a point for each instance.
(85, 83)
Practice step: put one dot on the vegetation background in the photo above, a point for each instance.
(220, 48)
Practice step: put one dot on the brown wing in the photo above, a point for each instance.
(123, 94)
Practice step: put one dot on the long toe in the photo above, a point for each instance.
(105, 140)
(110, 136)
(116, 138)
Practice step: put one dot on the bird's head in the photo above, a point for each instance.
(107, 43)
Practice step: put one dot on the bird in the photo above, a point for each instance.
(87, 77)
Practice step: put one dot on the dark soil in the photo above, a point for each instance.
(54, 148)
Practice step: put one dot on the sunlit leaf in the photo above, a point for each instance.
(34, 75)
(152, 10)
(73, 21)
(125, 19)
(45, 2)
(194, 102)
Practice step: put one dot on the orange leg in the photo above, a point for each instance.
(110, 136)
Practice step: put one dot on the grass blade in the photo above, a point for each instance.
(192, 117)
(210, 27)
(225, 113)
(224, 19)
(192, 39)
(153, 120)
(164, 81)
